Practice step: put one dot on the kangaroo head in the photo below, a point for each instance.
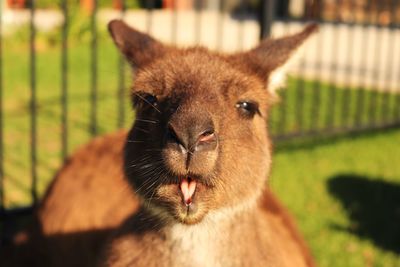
(199, 143)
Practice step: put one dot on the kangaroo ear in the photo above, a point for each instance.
(269, 60)
(139, 48)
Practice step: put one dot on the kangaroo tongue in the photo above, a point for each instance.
(188, 186)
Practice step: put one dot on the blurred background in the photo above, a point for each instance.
(336, 128)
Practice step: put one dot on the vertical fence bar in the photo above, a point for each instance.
(2, 196)
(33, 103)
(242, 14)
(283, 106)
(299, 104)
(330, 120)
(390, 59)
(316, 102)
(300, 93)
(149, 15)
(64, 81)
(374, 94)
(121, 79)
(346, 93)
(197, 23)
(396, 109)
(174, 23)
(266, 17)
(360, 102)
(93, 70)
(220, 26)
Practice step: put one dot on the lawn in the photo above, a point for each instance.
(343, 191)
(345, 194)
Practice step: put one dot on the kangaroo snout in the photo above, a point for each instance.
(192, 141)
(193, 138)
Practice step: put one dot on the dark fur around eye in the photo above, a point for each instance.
(247, 109)
(142, 99)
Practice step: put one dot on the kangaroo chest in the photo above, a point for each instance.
(194, 246)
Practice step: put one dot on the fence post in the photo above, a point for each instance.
(2, 200)
(266, 17)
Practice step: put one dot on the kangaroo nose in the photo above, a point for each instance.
(193, 138)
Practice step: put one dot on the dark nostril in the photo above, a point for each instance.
(206, 141)
(190, 139)
(172, 136)
(207, 136)
(171, 133)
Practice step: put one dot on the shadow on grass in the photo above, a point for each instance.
(70, 249)
(373, 206)
(66, 248)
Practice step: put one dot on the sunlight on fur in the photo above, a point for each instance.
(186, 185)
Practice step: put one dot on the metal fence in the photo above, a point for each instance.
(349, 77)
(347, 81)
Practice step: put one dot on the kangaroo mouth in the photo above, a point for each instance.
(191, 193)
(186, 197)
(187, 187)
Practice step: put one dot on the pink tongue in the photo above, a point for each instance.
(188, 189)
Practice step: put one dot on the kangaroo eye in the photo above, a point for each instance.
(144, 99)
(150, 99)
(247, 109)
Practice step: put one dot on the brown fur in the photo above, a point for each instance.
(86, 201)
(120, 194)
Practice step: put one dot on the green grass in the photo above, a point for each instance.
(330, 111)
(301, 173)
(302, 177)
(16, 110)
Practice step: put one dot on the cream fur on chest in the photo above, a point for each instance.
(196, 245)
(204, 244)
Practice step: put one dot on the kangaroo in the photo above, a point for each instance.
(186, 186)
